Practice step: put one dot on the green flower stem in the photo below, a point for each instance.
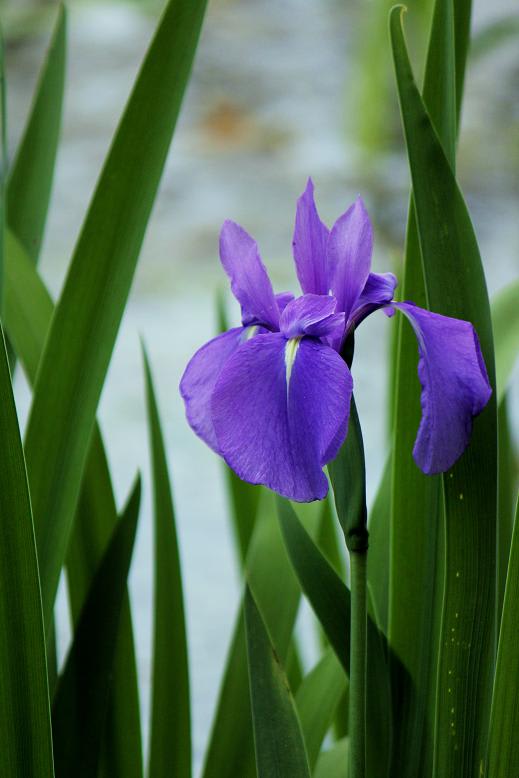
(358, 653)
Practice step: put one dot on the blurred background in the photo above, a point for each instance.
(279, 91)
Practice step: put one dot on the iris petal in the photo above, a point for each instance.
(199, 379)
(378, 292)
(349, 255)
(309, 244)
(250, 283)
(276, 434)
(312, 314)
(455, 386)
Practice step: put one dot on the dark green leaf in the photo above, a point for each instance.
(25, 732)
(28, 312)
(87, 317)
(348, 477)
(170, 734)
(456, 287)
(503, 745)
(231, 750)
(330, 600)
(508, 476)
(82, 696)
(279, 744)
(30, 181)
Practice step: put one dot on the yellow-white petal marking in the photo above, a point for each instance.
(290, 357)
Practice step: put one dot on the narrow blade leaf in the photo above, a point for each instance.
(81, 700)
(279, 745)
(170, 734)
(32, 173)
(25, 731)
(87, 317)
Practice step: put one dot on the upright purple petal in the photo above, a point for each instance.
(349, 255)
(199, 379)
(250, 283)
(312, 314)
(280, 413)
(282, 299)
(378, 292)
(309, 244)
(455, 386)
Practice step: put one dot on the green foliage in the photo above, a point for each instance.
(25, 733)
(82, 695)
(279, 744)
(406, 683)
(170, 741)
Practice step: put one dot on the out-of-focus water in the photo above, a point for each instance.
(266, 107)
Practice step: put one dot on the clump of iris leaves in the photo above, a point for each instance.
(426, 682)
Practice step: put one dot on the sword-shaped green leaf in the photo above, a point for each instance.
(87, 317)
(32, 173)
(330, 600)
(279, 745)
(28, 312)
(170, 728)
(503, 744)
(456, 287)
(82, 695)
(25, 729)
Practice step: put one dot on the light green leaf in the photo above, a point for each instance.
(334, 762)
(505, 323)
(330, 600)
(87, 317)
(25, 733)
(231, 751)
(30, 180)
(317, 699)
(278, 741)
(456, 287)
(503, 745)
(170, 733)
(28, 312)
(83, 691)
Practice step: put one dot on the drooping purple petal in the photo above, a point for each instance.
(250, 283)
(199, 379)
(349, 255)
(280, 412)
(312, 314)
(378, 292)
(282, 299)
(455, 386)
(309, 245)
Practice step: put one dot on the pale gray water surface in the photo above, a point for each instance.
(266, 107)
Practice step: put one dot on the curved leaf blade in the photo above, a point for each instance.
(28, 312)
(82, 695)
(87, 317)
(330, 600)
(25, 734)
(170, 733)
(503, 746)
(278, 741)
(30, 181)
(456, 287)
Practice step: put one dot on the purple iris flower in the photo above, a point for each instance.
(272, 397)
